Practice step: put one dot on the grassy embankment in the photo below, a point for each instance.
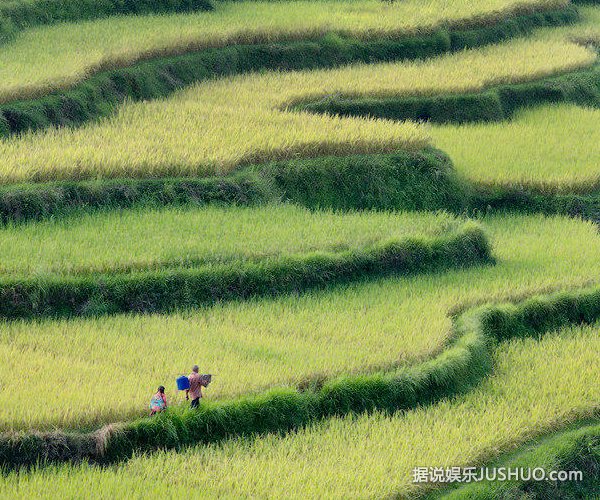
(204, 281)
(574, 449)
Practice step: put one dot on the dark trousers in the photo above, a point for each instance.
(195, 403)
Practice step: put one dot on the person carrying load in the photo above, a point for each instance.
(197, 381)
(158, 402)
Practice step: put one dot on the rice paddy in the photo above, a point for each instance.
(554, 148)
(265, 343)
(77, 377)
(46, 58)
(537, 385)
(218, 126)
(184, 237)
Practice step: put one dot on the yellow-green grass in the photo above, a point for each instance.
(537, 386)
(591, 32)
(105, 369)
(554, 148)
(183, 237)
(47, 58)
(588, 30)
(217, 126)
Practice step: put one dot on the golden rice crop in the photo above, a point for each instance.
(555, 148)
(105, 369)
(47, 58)
(537, 386)
(219, 125)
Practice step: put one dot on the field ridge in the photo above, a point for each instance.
(495, 103)
(576, 448)
(169, 290)
(421, 180)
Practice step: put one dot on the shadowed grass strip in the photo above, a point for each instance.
(168, 290)
(464, 363)
(411, 181)
(99, 95)
(523, 200)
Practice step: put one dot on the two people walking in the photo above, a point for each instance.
(158, 403)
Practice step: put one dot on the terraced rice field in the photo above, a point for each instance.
(264, 226)
(529, 161)
(220, 125)
(186, 236)
(265, 343)
(51, 57)
(537, 385)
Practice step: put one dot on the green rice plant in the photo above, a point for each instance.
(178, 288)
(48, 58)
(285, 342)
(185, 237)
(103, 369)
(538, 385)
(220, 125)
(565, 161)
